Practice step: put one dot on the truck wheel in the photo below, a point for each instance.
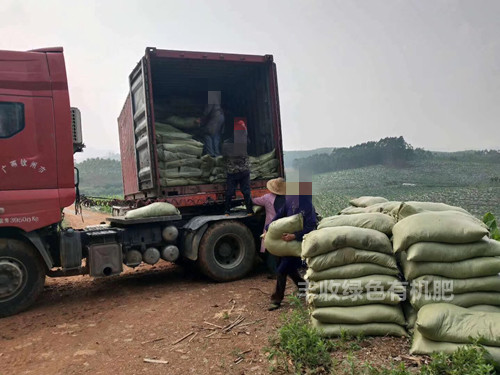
(227, 251)
(22, 276)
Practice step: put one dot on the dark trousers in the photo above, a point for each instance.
(233, 180)
(289, 266)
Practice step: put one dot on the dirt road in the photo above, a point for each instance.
(85, 326)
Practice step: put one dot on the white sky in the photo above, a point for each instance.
(349, 71)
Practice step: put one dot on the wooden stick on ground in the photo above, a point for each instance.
(183, 338)
(150, 360)
(234, 324)
(192, 337)
(211, 334)
(215, 325)
(154, 340)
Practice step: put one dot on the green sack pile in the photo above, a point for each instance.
(264, 167)
(273, 242)
(369, 204)
(352, 281)
(153, 210)
(180, 160)
(446, 256)
(445, 327)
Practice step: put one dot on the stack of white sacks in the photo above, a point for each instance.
(352, 277)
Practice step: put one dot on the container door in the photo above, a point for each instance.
(139, 93)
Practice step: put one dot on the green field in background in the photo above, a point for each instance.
(464, 184)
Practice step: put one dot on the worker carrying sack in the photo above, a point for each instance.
(273, 242)
(153, 210)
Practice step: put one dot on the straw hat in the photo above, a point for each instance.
(277, 186)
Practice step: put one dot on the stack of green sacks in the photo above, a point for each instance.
(447, 257)
(178, 156)
(443, 327)
(352, 281)
(264, 166)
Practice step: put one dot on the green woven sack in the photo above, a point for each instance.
(191, 162)
(184, 123)
(377, 221)
(337, 300)
(166, 156)
(446, 226)
(450, 323)
(485, 308)
(424, 346)
(463, 300)
(259, 160)
(465, 269)
(350, 271)
(370, 329)
(273, 242)
(367, 201)
(353, 210)
(457, 286)
(410, 314)
(375, 313)
(182, 181)
(384, 208)
(324, 240)
(411, 208)
(180, 148)
(443, 252)
(364, 284)
(153, 210)
(349, 255)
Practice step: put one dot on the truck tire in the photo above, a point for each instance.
(22, 275)
(227, 251)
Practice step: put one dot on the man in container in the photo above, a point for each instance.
(237, 167)
(212, 122)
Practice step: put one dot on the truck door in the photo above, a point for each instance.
(27, 144)
(139, 93)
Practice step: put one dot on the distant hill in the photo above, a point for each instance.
(100, 177)
(290, 156)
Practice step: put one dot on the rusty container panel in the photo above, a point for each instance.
(127, 150)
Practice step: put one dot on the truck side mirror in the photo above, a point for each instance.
(76, 125)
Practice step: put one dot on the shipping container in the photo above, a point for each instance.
(164, 78)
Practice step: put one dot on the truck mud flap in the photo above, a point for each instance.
(192, 242)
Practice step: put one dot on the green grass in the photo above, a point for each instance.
(465, 184)
(300, 343)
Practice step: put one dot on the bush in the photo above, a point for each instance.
(491, 222)
(470, 360)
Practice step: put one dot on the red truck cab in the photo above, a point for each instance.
(36, 145)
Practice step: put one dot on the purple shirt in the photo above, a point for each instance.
(267, 201)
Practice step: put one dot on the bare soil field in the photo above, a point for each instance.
(165, 314)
